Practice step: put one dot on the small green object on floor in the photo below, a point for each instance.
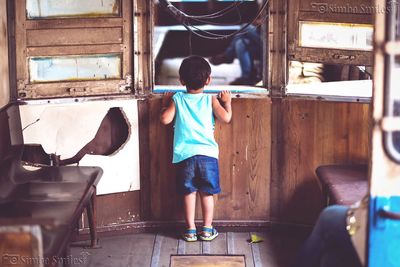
(255, 239)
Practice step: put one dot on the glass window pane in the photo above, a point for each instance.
(336, 35)
(71, 8)
(71, 68)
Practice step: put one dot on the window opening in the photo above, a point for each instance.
(210, 30)
(330, 81)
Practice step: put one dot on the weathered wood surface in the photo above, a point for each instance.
(309, 134)
(306, 134)
(112, 209)
(4, 69)
(73, 36)
(277, 249)
(80, 36)
(245, 146)
(204, 260)
(339, 11)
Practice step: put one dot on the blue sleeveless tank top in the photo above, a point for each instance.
(194, 126)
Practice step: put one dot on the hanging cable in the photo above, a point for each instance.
(186, 19)
(238, 21)
(220, 13)
(167, 5)
(190, 44)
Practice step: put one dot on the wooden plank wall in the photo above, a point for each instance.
(115, 209)
(309, 134)
(245, 157)
(275, 180)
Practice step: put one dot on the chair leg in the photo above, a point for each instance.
(91, 212)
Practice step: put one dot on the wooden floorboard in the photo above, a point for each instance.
(155, 250)
(193, 248)
(243, 247)
(181, 247)
(206, 247)
(116, 251)
(230, 243)
(141, 249)
(218, 245)
(168, 246)
(269, 248)
(255, 250)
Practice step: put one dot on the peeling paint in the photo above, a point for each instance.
(121, 169)
(64, 129)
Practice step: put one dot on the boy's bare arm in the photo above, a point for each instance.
(223, 110)
(168, 109)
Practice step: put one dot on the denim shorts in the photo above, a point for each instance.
(198, 173)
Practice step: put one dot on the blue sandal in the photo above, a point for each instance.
(208, 234)
(190, 235)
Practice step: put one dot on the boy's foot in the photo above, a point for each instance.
(220, 59)
(190, 235)
(208, 234)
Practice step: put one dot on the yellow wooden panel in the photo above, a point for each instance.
(209, 261)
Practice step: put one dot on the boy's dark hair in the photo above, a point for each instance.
(194, 72)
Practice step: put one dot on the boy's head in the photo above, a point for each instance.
(194, 72)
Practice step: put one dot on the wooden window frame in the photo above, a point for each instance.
(160, 88)
(325, 55)
(61, 47)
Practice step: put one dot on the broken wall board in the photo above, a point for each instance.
(64, 129)
(4, 69)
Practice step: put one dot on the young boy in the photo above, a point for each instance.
(195, 152)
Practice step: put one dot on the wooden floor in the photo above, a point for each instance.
(147, 249)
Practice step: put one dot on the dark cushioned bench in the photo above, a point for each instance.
(343, 184)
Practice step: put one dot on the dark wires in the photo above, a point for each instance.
(188, 21)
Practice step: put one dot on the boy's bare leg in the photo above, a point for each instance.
(189, 207)
(207, 206)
